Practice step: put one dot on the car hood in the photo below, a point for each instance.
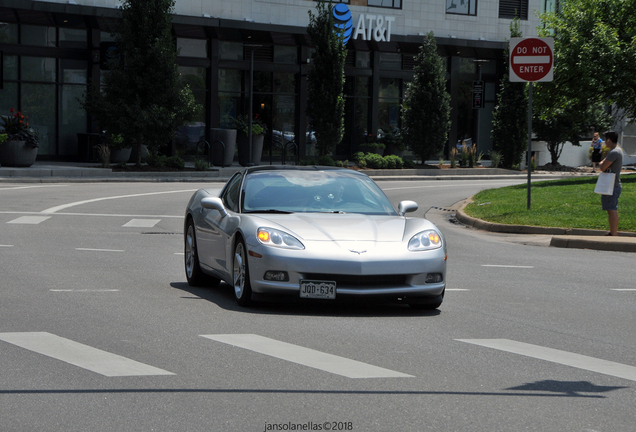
(340, 227)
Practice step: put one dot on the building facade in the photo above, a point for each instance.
(51, 50)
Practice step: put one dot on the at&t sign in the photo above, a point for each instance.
(369, 27)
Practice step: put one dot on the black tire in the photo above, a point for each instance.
(241, 275)
(194, 274)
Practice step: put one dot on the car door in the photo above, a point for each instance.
(218, 230)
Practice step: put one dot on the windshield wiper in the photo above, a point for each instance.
(269, 211)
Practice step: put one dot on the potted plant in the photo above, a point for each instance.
(21, 145)
(393, 141)
(258, 136)
(119, 150)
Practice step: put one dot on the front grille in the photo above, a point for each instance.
(358, 281)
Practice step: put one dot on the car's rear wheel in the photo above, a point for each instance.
(241, 275)
(194, 274)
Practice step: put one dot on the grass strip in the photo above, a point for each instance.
(567, 203)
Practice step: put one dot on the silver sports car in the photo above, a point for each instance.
(314, 233)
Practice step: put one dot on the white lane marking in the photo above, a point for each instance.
(306, 356)
(77, 354)
(623, 289)
(141, 223)
(73, 204)
(30, 187)
(99, 250)
(507, 266)
(83, 290)
(557, 356)
(29, 220)
(7, 246)
(99, 214)
(179, 253)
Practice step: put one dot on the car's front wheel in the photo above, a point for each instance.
(241, 275)
(194, 274)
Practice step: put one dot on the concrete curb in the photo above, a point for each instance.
(562, 237)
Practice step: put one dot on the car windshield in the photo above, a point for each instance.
(300, 191)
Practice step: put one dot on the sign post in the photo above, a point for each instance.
(531, 60)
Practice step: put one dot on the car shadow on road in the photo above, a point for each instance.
(222, 296)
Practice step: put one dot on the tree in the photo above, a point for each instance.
(326, 79)
(142, 97)
(595, 50)
(558, 119)
(426, 106)
(510, 116)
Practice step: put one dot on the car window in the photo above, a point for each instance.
(301, 191)
(230, 195)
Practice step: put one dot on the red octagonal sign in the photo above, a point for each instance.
(531, 59)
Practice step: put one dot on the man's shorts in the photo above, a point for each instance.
(610, 202)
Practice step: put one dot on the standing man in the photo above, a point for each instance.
(613, 163)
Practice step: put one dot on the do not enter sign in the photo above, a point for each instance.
(531, 59)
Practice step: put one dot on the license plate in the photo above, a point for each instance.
(317, 289)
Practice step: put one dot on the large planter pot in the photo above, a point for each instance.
(394, 150)
(243, 149)
(133, 153)
(228, 138)
(120, 156)
(17, 154)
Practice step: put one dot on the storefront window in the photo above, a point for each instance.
(192, 47)
(229, 96)
(37, 35)
(8, 33)
(188, 136)
(38, 103)
(389, 103)
(38, 69)
(357, 91)
(10, 64)
(72, 118)
(285, 54)
(363, 59)
(390, 61)
(8, 97)
(72, 38)
(394, 4)
(230, 50)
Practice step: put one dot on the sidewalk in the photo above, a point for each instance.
(69, 172)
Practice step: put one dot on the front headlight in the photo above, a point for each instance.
(277, 238)
(425, 240)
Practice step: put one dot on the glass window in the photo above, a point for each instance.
(229, 80)
(8, 98)
(73, 71)
(72, 38)
(389, 103)
(262, 82)
(8, 33)
(37, 35)
(38, 69)
(285, 54)
(461, 7)
(512, 9)
(72, 118)
(390, 61)
(38, 103)
(231, 193)
(284, 82)
(394, 4)
(10, 67)
(106, 37)
(192, 47)
(231, 50)
(363, 59)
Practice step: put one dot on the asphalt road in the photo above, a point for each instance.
(100, 332)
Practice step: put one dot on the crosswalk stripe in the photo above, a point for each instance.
(306, 356)
(141, 223)
(557, 356)
(77, 354)
(29, 220)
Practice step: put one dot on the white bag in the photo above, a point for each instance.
(605, 183)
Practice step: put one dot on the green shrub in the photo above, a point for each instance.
(201, 164)
(362, 163)
(326, 160)
(375, 161)
(175, 162)
(408, 163)
(394, 162)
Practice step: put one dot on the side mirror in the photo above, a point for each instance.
(214, 203)
(407, 207)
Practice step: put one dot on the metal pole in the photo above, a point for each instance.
(529, 160)
(249, 132)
